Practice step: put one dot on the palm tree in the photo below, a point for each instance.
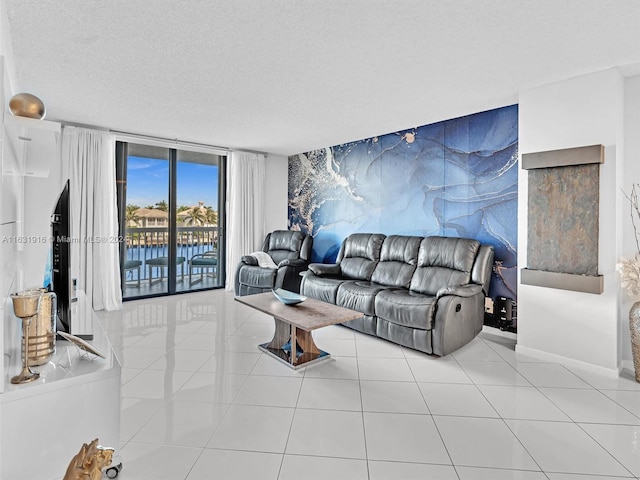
(210, 216)
(181, 219)
(196, 216)
(162, 205)
(130, 215)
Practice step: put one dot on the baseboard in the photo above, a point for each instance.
(628, 366)
(569, 362)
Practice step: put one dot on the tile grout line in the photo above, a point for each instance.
(572, 421)
(503, 420)
(600, 390)
(364, 427)
(604, 448)
(444, 445)
(293, 417)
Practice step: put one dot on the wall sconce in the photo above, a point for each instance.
(27, 105)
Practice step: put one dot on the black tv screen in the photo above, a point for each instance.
(61, 259)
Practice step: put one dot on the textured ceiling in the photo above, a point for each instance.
(286, 76)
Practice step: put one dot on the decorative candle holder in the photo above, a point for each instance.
(26, 305)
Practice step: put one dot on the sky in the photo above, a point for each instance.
(148, 182)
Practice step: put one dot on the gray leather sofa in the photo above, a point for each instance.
(426, 293)
(289, 250)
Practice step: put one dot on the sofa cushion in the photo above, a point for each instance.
(398, 260)
(359, 255)
(365, 324)
(283, 244)
(359, 295)
(321, 288)
(257, 276)
(407, 336)
(443, 261)
(406, 308)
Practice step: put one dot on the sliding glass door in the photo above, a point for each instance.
(197, 226)
(170, 219)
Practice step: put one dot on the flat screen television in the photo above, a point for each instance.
(61, 259)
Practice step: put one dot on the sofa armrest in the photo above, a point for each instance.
(292, 262)
(322, 269)
(468, 290)
(288, 276)
(458, 319)
(249, 260)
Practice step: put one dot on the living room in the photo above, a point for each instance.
(282, 80)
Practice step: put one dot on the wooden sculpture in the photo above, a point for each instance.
(88, 463)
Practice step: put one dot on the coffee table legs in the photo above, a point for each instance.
(287, 339)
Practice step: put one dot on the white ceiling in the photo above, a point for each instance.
(287, 76)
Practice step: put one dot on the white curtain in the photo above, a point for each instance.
(88, 161)
(245, 208)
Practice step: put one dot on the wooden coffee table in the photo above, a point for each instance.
(294, 324)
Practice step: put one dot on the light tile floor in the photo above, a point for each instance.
(199, 401)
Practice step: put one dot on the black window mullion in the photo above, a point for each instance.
(172, 248)
(222, 220)
(121, 196)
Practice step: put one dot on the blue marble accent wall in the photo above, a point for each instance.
(455, 178)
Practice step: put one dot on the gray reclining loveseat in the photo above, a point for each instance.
(290, 252)
(426, 293)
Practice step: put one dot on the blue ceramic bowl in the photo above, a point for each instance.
(287, 297)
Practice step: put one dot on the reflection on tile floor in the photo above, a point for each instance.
(199, 401)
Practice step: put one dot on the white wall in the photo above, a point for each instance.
(10, 198)
(578, 328)
(630, 175)
(276, 197)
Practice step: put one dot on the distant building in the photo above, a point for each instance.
(197, 215)
(150, 217)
